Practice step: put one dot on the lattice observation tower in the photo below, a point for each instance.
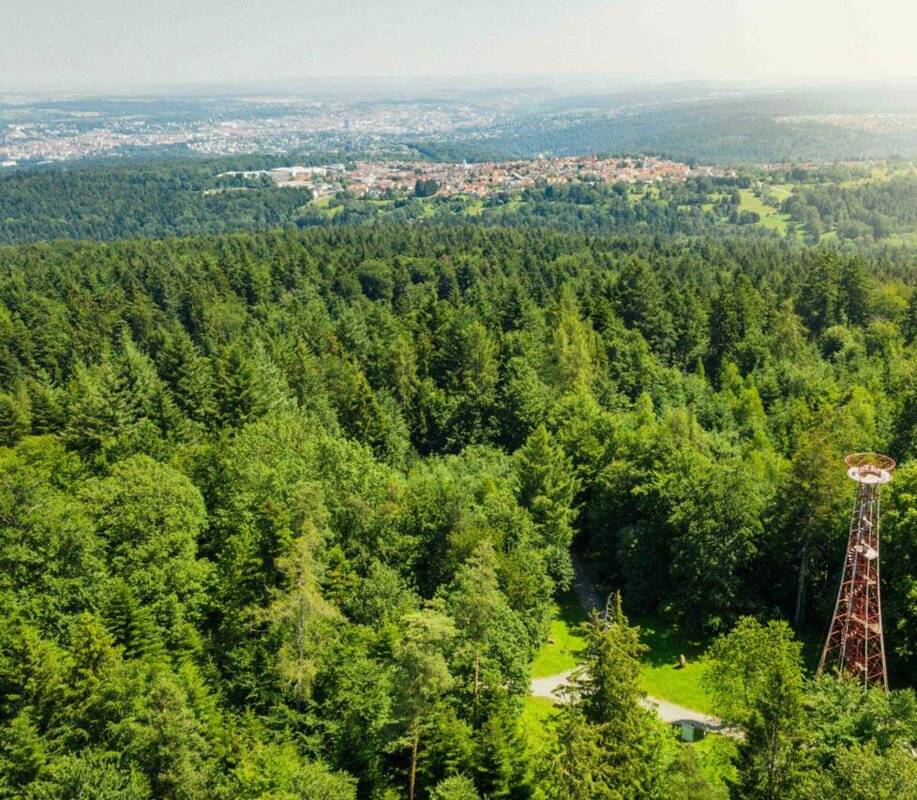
(854, 644)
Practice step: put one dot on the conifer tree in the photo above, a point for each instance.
(606, 687)
(188, 375)
(298, 613)
(500, 755)
(458, 787)
(623, 747)
(15, 417)
(572, 350)
(547, 486)
(491, 645)
(422, 677)
(131, 623)
(94, 414)
(46, 404)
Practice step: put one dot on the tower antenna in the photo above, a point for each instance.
(855, 645)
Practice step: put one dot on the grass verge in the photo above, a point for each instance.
(659, 675)
(561, 651)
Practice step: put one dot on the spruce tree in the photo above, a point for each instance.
(500, 755)
(46, 404)
(547, 486)
(188, 375)
(15, 417)
(131, 624)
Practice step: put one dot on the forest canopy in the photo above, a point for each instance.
(283, 514)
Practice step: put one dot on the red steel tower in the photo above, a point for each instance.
(854, 644)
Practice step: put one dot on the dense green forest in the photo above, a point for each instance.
(149, 200)
(184, 198)
(282, 515)
(874, 209)
(857, 206)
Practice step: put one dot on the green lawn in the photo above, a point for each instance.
(324, 207)
(659, 676)
(770, 216)
(561, 651)
(781, 191)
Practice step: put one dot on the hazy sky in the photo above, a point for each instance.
(122, 43)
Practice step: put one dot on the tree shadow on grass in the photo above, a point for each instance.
(571, 612)
(667, 642)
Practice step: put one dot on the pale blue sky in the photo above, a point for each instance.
(121, 43)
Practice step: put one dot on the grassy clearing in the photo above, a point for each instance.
(561, 652)
(770, 217)
(781, 191)
(659, 676)
(875, 174)
(902, 239)
(324, 207)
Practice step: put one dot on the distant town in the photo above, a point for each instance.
(67, 131)
(377, 179)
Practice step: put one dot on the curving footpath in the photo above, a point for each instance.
(668, 712)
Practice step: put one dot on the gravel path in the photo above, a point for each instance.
(545, 687)
(669, 712)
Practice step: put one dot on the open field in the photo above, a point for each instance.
(770, 216)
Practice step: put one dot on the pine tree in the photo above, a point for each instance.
(422, 677)
(15, 417)
(94, 415)
(492, 647)
(640, 302)
(624, 748)
(188, 375)
(248, 385)
(572, 351)
(772, 763)
(46, 404)
(500, 755)
(131, 624)
(297, 613)
(909, 325)
(578, 767)
(607, 685)
(136, 385)
(458, 787)
(547, 486)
